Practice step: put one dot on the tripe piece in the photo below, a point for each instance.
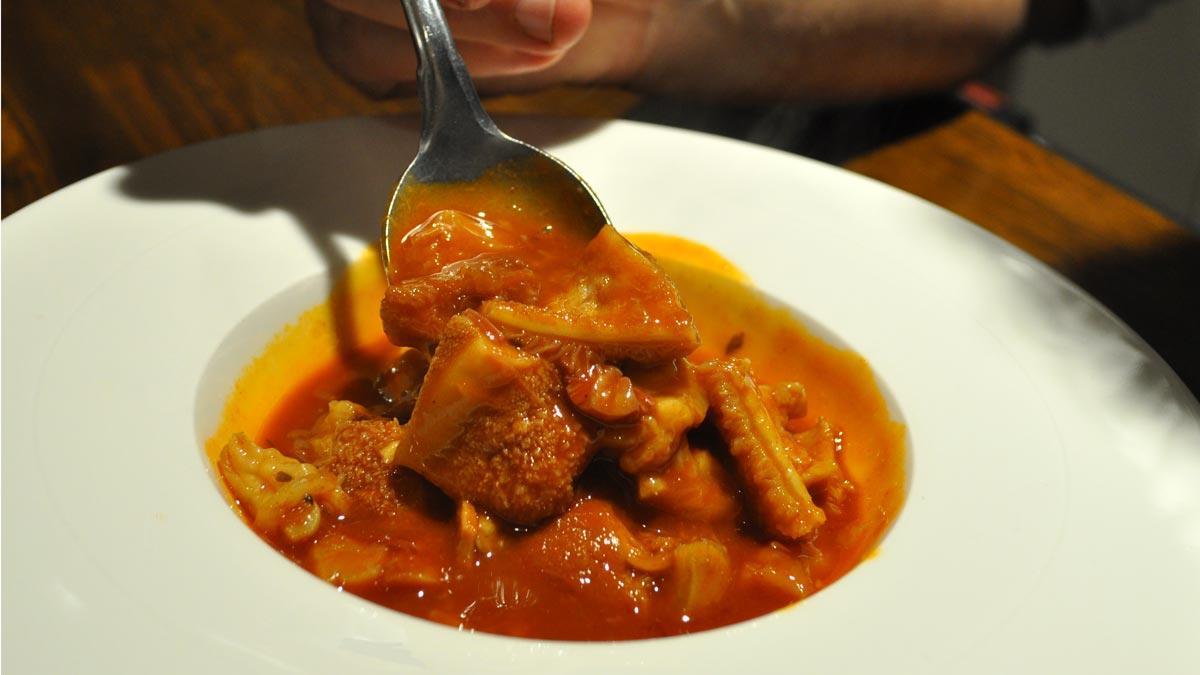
(345, 561)
(790, 399)
(597, 389)
(700, 576)
(280, 494)
(775, 570)
(692, 486)
(674, 404)
(620, 303)
(491, 425)
(590, 552)
(448, 237)
(818, 460)
(415, 311)
(763, 450)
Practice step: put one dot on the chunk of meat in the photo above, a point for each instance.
(817, 460)
(468, 528)
(620, 303)
(363, 451)
(597, 389)
(775, 570)
(415, 311)
(675, 403)
(602, 392)
(491, 426)
(816, 444)
(357, 447)
(700, 576)
(692, 485)
(477, 534)
(280, 494)
(789, 398)
(447, 237)
(343, 560)
(763, 450)
(592, 555)
(819, 466)
(315, 445)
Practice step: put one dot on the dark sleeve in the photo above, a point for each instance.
(1105, 16)
(1050, 22)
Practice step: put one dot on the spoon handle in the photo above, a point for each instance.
(452, 117)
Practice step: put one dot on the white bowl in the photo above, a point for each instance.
(1053, 520)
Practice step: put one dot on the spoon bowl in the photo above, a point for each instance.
(462, 147)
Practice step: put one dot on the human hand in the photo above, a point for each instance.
(732, 50)
(508, 45)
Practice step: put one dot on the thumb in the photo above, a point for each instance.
(560, 23)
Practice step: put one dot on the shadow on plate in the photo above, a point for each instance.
(334, 179)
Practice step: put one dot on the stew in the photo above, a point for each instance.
(565, 438)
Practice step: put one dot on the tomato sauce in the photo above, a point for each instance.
(510, 592)
(559, 579)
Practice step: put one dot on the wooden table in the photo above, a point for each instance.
(87, 86)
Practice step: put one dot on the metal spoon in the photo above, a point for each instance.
(461, 144)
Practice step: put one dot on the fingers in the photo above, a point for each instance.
(378, 57)
(466, 4)
(365, 52)
(391, 12)
(541, 26)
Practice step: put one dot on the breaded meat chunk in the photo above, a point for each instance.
(492, 426)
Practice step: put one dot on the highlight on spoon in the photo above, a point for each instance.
(536, 188)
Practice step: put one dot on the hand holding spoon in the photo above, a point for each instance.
(461, 145)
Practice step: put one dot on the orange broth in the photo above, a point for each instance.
(840, 387)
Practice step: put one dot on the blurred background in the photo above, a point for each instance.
(91, 85)
(1126, 107)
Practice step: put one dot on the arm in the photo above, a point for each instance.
(721, 49)
(825, 49)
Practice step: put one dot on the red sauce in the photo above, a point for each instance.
(510, 594)
(535, 585)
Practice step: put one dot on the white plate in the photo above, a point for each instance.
(1053, 523)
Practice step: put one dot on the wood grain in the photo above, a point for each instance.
(993, 176)
(114, 82)
(87, 86)
(110, 83)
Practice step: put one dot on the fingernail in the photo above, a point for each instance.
(536, 17)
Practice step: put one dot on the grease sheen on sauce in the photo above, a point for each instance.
(504, 593)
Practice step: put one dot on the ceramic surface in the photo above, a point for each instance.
(1053, 520)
